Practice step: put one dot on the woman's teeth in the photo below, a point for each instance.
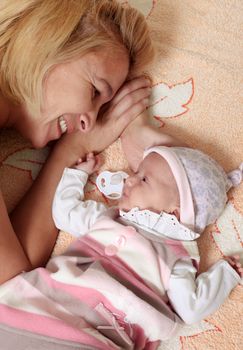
(62, 124)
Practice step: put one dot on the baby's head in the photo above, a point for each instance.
(152, 187)
(180, 181)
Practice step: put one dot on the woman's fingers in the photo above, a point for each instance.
(129, 87)
(117, 119)
(130, 114)
(130, 101)
(117, 116)
(136, 101)
(140, 97)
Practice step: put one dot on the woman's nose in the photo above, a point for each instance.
(87, 121)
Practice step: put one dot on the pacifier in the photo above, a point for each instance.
(111, 183)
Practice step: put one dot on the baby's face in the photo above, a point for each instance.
(152, 187)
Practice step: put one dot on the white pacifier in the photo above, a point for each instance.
(111, 184)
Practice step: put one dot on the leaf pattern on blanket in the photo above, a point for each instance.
(144, 6)
(176, 343)
(228, 233)
(168, 101)
(28, 159)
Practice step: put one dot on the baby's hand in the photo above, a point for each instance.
(234, 262)
(90, 165)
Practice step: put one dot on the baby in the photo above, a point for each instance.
(175, 192)
(186, 183)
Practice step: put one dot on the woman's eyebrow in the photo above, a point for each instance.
(108, 88)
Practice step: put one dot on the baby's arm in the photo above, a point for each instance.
(195, 298)
(139, 135)
(70, 212)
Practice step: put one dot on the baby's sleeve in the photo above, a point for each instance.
(195, 298)
(69, 210)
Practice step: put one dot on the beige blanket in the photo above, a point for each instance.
(196, 97)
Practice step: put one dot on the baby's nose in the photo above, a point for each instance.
(131, 180)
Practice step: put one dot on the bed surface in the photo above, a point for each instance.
(196, 96)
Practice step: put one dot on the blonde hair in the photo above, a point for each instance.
(35, 35)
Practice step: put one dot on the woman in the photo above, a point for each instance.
(60, 62)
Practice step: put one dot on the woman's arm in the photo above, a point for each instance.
(139, 135)
(12, 257)
(31, 219)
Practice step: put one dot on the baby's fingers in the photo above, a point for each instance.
(231, 261)
(240, 272)
(90, 156)
(79, 161)
(235, 264)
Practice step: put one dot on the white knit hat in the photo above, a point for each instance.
(202, 184)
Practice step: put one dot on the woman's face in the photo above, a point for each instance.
(74, 93)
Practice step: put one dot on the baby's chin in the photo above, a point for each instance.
(123, 205)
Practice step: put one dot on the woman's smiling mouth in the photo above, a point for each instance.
(69, 123)
(63, 124)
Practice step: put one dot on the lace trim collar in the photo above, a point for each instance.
(159, 224)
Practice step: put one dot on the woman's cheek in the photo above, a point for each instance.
(38, 141)
(40, 135)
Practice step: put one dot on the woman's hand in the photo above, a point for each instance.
(114, 117)
(139, 135)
